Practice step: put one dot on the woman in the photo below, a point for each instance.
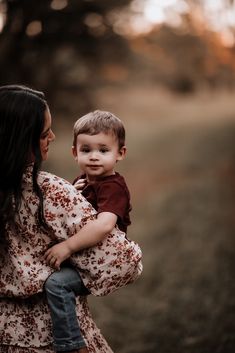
(38, 209)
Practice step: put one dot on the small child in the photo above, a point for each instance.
(99, 143)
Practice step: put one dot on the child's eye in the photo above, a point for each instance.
(103, 150)
(85, 150)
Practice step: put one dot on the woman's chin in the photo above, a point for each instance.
(44, 156)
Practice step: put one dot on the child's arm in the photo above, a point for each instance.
(91, 234)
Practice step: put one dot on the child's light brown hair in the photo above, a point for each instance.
(100, 121)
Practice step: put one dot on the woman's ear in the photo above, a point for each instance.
(74, 152)
(122, 153)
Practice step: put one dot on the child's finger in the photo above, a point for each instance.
(46, 257)
(57, 265)
(49, 258)
(53, 262)
(80, 184)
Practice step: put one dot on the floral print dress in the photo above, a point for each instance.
(25, 325)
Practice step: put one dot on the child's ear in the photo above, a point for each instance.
(122, 153)
(74, 152)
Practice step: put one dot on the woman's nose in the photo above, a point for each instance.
(52, 136)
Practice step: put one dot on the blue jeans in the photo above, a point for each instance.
(61, 288)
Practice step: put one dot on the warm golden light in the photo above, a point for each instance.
(214, 15)
(1, 22)
(2, 15)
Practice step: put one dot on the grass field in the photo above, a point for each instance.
(181, 172)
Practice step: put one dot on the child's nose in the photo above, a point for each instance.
(93, 155)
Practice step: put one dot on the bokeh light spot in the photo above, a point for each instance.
(34, 28)
(59, 4)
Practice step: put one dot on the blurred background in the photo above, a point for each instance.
(167, 69)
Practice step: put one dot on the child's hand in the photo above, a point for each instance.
(57, 254)
(80, 184)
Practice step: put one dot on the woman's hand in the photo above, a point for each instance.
(79, 185)
(57, 254)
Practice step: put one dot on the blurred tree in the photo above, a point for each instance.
(186, 57)
(59, 46)
(68, 47)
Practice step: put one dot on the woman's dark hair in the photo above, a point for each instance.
(22, 117)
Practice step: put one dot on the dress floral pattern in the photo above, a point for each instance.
(25, 325)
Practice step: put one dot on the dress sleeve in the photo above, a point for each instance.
(104, 268)
(66, 210)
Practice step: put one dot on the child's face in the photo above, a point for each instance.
(97, 154)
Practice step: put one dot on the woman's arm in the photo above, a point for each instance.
(111, 264)
(91, 234)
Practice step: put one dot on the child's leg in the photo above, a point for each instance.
(61, 288)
